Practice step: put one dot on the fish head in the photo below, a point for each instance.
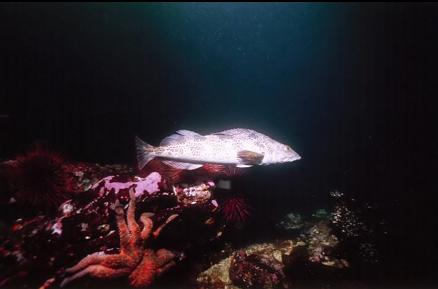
(289, 155)
(280, 153)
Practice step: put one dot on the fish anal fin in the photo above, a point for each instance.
(243, 166)
(250, 157)
(182, 165)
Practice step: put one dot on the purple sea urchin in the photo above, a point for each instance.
(40, 179)
(235, 210)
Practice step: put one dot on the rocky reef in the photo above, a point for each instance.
(256, 266)
(273, 264)
(35, 249)
(108, 222)
(314, 250)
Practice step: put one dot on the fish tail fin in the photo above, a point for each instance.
(144, 152)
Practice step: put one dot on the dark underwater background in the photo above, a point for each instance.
(351, 87)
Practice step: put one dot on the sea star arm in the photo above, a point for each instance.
(157, 232)
(133, 226)
(147, 225)
(97, 271)
(165, 267)
(164, 257)
(124, 234)
(112, 260)
(165, 260)
(91, 259)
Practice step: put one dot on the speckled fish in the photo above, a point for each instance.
(241, 147)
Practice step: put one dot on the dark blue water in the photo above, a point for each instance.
(350, 87)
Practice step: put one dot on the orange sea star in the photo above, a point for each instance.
(140, 264)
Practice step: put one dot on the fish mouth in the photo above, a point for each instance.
(291, 159)
(295, 157)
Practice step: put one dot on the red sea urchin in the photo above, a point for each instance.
(235, 210)
(40, 179)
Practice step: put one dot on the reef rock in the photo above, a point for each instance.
(321, 243)
(32, 249)
(256, 266)
(256, 271)
(291, 221)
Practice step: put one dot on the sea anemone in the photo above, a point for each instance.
(40, 179)
(235, 210)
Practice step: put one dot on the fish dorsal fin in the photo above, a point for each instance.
(171, 139)
(233, 132)
(182, 166)
(250, 157)
(177, 137)
(185, 132)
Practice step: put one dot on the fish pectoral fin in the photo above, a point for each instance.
(182, 166)
(250, 157)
